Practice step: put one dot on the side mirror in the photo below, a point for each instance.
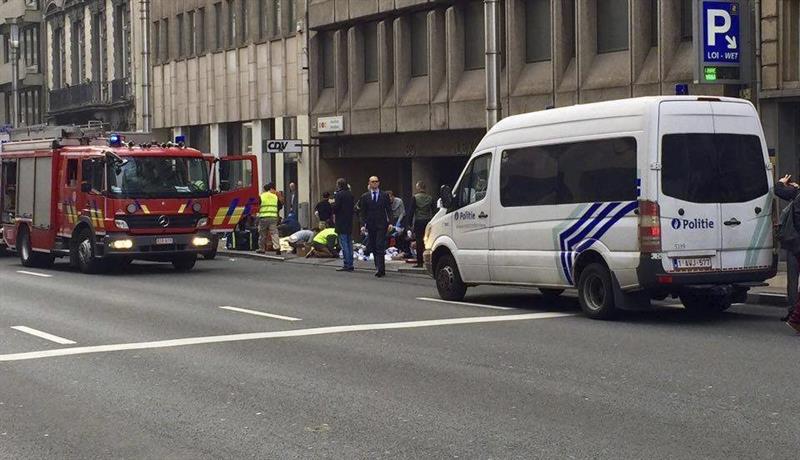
(86, 187)
(224, 186)
(446, 195)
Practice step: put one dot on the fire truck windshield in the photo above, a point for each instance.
(158, 177)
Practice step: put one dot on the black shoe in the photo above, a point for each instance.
(380, 274)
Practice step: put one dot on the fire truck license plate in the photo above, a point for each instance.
(164, 240)
(693, 263)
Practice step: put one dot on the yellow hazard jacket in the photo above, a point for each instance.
(322, 236)
(269, 205)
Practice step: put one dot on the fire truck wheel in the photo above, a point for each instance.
(212, 253)
(184, 263)
(84, 253)
(27, 256)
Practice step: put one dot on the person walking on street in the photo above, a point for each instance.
(422, 211)
(376, 210)
(788, 190)
(343, 222)
(268, 220)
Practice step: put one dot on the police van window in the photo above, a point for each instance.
(72, 173)
(92, 173)
(713, 168)
(600, 170)
(475, 182)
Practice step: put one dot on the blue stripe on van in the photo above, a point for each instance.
(571, 247)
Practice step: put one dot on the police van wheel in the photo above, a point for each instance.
(702, 303)
(27, 256)
(596, 293)
(84, 255)
(184, 263)
(448, 280)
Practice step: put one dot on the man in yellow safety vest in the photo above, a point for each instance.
(268, 220)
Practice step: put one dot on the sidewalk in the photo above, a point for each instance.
(774, 294)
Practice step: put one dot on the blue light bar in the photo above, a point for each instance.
(115, 140)
(179, 139)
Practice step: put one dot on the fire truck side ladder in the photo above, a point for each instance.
(46, 137)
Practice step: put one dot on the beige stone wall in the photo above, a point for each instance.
(450, 97)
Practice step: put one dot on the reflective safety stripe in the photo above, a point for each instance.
(269, 205)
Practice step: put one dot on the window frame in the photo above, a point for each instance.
(600, 28)
(467, 174)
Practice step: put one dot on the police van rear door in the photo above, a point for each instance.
(691, 236)
(745, 198)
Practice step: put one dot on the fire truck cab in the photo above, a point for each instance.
(102, 202)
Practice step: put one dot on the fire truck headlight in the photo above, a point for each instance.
(119, 223)
(122, 244)
(131, 208)
(197, 207)
(200, 241)
(202, 222)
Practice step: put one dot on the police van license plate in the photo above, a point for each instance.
(691, 263)
(164, 240)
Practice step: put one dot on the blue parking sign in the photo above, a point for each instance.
(721, 38)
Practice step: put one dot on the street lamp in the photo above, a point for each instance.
(14, 42)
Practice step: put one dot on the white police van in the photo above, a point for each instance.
(627, 201)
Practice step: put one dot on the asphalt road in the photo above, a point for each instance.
(350, 366)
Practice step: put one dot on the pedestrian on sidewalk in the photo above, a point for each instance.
(376, 210)
(343, 222)
(324, 211)
(268, 220)
(422, 211)
(789, 191)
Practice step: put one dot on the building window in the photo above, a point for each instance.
(371, 52)
(6, 49)
(180, 25)
(78, 53)
(474, 36)
(686, 20)
(122, 40)
(218, 26)
(654, 22)
(291, 19)
(612, 26)
(201, 31)
(191, 47)
(537, 30)
(165, 38)
(327, 50)
(156, 41)
(99, 69)
(30, 45)
(419, 44)
(231, 24)
(568, 14)
(245, 19)
(275, 28)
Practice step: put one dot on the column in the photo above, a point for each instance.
(278, 134)
(260, 133)
(219, 139)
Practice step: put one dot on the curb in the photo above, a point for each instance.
(767, 299)
(251, 255)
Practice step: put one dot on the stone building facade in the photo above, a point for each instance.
(779, 98)
(407, 76)
(27, 14)
(232, 74)
(93, 51)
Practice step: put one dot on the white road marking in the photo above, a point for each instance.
(468, 304)
(43, 275)
(274, 335)
(43, 335)
(260, 313)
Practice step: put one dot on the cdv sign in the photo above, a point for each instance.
(285, 146)
(721, 26)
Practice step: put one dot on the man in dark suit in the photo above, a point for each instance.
(343, 220)
(375, 208)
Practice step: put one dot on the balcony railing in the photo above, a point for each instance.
(90, 94)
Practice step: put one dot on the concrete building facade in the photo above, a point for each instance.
(27, 15)
(407, 77)
(231, 75)
(93, 56)
(779, 81)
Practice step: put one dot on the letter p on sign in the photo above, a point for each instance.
(713, 29)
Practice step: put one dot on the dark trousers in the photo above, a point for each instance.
(791, 273)
(376, 245)
(419, 236)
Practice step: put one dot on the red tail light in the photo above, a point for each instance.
(649, 227)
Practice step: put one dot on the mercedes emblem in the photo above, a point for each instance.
(163, 221)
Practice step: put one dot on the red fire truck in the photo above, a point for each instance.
(101, 201)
